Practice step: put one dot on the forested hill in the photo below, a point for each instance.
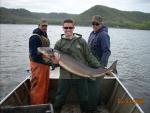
(112, 17)
(23, 16)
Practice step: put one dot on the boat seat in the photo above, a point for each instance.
(41, 108)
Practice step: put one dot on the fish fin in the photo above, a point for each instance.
(113, 67)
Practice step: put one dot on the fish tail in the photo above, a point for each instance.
(113, 67)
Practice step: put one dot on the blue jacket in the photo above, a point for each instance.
(99, 43)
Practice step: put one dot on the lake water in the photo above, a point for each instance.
(130, 47)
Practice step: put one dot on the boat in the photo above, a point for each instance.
(115, 98)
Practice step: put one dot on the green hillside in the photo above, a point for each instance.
(23, 16)
(116, 18)
(112, 17)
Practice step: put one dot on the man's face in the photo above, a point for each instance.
(96, 25)
(43, 27)
(68, 29)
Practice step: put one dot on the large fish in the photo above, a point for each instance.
(76, 67)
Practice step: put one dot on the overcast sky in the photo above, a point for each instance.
(75, 6)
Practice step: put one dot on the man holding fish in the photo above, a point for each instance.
(76, 47)
(39, 65)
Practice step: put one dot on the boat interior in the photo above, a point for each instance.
(111, 91)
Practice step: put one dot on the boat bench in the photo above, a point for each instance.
(41, 108)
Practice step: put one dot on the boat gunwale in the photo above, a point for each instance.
(128, 93)
(21, 83)
(12, 91)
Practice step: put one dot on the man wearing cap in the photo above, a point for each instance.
(39, 65)
(99, 43)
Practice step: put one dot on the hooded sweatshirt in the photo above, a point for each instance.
(99, 43)
(78, 49)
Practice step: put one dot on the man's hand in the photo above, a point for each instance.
(55, 58)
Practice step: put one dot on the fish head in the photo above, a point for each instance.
(46, 51)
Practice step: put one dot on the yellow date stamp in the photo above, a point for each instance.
(130, 101)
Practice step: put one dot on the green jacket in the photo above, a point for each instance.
(79, 50)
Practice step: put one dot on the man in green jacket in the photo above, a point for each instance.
(75, 46)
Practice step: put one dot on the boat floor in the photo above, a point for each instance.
(74, 108)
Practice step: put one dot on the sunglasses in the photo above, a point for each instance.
(68, 27)
(44, 25)
(95, 23)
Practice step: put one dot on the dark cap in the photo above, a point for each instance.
(97, 18)
(43, 22)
